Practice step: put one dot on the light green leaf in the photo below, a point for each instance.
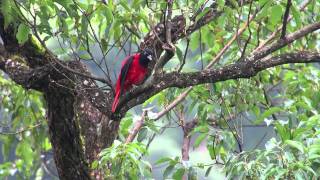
(199, 139)
(23, 33)
(276, 14)
(162, 160)
(267, 113)
(109, 14)
(178, 174)
(295, 144)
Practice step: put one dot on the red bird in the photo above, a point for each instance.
(133, 72)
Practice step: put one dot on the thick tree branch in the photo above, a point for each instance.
(243, 69)
(159, 82)
(238, 70)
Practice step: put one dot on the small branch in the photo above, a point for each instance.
(263, 52)
(139, 124)
(21, 130)
(285, 19)
(187, 128)
(235, 134)
(168, 46)
(103, 80)
(168, 24)
(250, 33)
(273, 35)
(174, 103)
(229, 43)
(185, 56)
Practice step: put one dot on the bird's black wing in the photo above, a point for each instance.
(124, 72)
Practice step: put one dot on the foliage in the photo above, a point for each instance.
(23, 131)
(122, 161)
(297, 158)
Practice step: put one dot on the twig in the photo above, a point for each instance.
(273, 35)
(168, 25)
(51, 54)
(187, 128)
(174, 103)
(285, 20)
(167, 46)
(185, 55)
(250, 33)
(260, 141)
(227, 46)
(22, 130)
(137, 127)
(235, 135)
(201, 49)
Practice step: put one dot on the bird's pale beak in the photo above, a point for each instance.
(149, 57)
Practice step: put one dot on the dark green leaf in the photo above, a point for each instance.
(208, 171)
(142, 134)
(168, 171)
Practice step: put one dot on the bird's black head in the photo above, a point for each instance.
(145, 57)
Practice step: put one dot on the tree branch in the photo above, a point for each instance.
(285, 20)
(263, 52)
(174, 79)
(139, 124)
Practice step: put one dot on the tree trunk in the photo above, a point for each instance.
(78, 129)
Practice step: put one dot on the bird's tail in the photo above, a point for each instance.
(116, 101)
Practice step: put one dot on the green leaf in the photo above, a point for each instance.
(295, 144)
(95, 164)
(142, 134)
(162, 160)
(23, 33)
(124, 4)
(194, 42)
(109, 15)
(296, 16)
(84, 25)
(276, 14)
(267, 113)
(47, 145)
(204, 12)
(39, 174)
(178, 174)
(6, 9)
(179, 53)
(283, 131)
(208, 171)
(199, 139)
(167, 171)
(264, 12)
